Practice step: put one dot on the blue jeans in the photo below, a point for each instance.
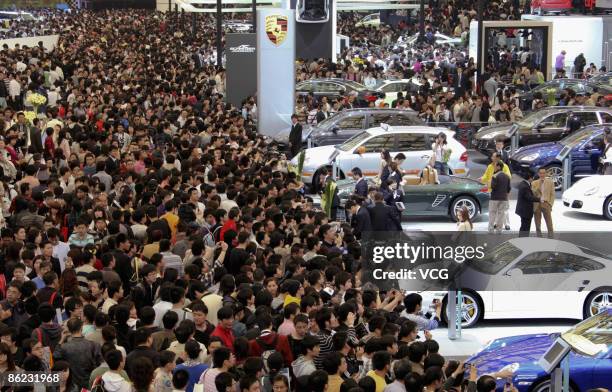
(441, 167)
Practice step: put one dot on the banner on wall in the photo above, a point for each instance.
(275, 69)
(241, 67)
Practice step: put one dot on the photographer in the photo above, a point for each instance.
(413, 303)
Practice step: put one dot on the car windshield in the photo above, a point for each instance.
(354, 85)
(577, 137)
(534, 118)
(353, 142)
(593, 336)
(495, 260)
(328, 120)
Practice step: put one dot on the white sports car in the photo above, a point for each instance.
(592, 195)
(581, 278)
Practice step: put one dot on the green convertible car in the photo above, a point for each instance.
(443, 199)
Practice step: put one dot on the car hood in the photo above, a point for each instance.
(544, 150)
(492, 131)
(319, 155)
(525, 350)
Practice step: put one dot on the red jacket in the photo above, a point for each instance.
(230, 224)
(268, 338)
(226, 336)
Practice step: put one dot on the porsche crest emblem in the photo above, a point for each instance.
(276, 28)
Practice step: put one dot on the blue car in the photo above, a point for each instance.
(590, 359)
(585, 146)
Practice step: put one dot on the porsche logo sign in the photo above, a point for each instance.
(276, 28)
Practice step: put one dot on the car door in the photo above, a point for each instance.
(416, 147)
(425, 199)
(550, 129)
(377, 118)
(538, 288)
(367, 158)
(347, 127)
(602, 371)
(585, 158)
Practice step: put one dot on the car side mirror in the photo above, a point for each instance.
(515, 273)
(540, 126)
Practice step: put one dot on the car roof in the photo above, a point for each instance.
(576, 109)
(409, 129)
(533, 244)
(372, 110)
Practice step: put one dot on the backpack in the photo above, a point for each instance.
(49, 358)
(98, 385)
(269, 349)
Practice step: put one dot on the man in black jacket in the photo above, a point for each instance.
(142, 348)
(83, 355)
(498, 206)
(360, 217)
(382, 217)
(361, 184)
(295, 136)
(524, 204)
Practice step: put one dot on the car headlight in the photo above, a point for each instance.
(530, 157)
(591, 191)
(513, 367)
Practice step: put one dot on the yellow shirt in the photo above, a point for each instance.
(380, 381)
(289, 299)
(172, 220)
(488, 175)
(334, 383)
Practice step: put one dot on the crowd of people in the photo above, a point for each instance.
(152, 240)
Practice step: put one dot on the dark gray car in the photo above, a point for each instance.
(347, 123)
(545, 125)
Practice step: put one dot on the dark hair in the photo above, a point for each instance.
(141, 335)
(142, 373)
(380, 359)
(433, 374)
(486, 383)
(318, 379)
(411, 301)
(247, 381)
(221, 355)
(331, 362)
(113, 359)
(223, 381)
(180, 379)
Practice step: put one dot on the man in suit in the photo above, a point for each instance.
(361, 221)
(31, 134)
(361, 185)
(498, 206)
(524, 204)
(544, 190)
(295, 136)
(382, 217)
(501, 153)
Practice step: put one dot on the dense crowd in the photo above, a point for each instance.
(153, 240)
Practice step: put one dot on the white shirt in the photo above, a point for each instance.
(60, 251)
(14, 88)
(160, 309)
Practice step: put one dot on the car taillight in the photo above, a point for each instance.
(464, 157)
(484, 189)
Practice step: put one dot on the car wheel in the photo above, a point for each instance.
(555, 172)
(464, 201)
(597, 301)
(544, 386)
(471, 309)
(607, 208)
